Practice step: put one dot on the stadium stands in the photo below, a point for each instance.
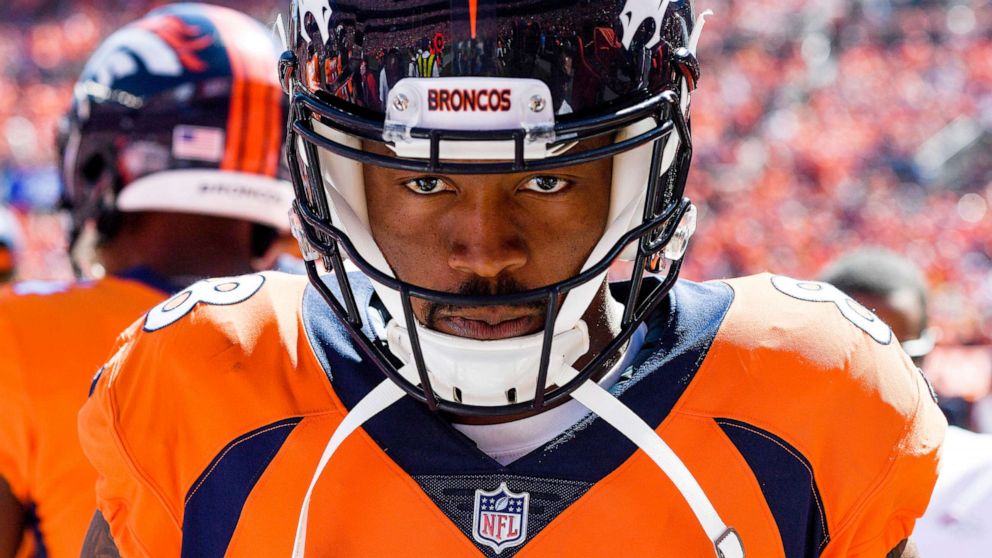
(819, 126)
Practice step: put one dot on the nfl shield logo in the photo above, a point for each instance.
(500, 518)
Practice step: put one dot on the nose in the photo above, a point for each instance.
(485, 241)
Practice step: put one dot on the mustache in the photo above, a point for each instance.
(479, 287)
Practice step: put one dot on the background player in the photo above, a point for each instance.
(893, 288)
(957, 522)
(483, 214)
(170, 155)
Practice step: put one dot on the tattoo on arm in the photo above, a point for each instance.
(98, 542)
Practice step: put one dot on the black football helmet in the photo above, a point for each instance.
(180, 111)
(493, 87)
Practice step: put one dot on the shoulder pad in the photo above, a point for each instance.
(800, 360)
(177, 391)
(814, 321)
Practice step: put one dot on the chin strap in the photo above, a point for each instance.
(726, 541)
(384, 395)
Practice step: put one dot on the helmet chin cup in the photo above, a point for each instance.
(487, 373)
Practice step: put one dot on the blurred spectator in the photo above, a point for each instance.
(10, 244)
(964, 373)
(808, 126)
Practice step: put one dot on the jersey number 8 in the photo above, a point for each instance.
(218, 292)
(815, 291)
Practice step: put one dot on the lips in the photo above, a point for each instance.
(488, 327)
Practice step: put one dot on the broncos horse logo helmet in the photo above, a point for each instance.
(635, 13)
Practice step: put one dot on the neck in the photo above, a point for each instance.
(179, 246)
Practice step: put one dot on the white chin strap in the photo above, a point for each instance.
(488, 373)
(726, 542)
(384, 395)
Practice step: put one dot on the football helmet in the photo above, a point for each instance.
(180, 111)
(500, 87)
(483, 93)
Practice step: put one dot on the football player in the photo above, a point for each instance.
(170, 156)
(476, 387)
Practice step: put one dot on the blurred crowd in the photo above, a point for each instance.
(819, 126)
(823, 125)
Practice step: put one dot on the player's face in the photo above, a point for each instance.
(486, 235)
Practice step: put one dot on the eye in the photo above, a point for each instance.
(426, 185)
(546, 184)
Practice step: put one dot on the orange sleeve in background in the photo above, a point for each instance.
(15, 426)
(53, 338)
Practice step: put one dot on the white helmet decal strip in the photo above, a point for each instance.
(635, 13)
(321, 12)
(119, 56)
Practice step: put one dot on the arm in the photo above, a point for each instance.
(905, 549)
(98, 542)
(11, 521)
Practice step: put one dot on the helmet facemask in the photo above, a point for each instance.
(649, 223)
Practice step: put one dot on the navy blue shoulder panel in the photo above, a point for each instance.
(214, 502)
(329, 338)
(423, 443)
(788, 485)
(678, 339)
(32, 524)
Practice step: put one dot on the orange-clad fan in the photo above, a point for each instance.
(170, 156)
(471, 385)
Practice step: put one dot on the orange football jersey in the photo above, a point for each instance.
(794, 408)
(53, 339)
